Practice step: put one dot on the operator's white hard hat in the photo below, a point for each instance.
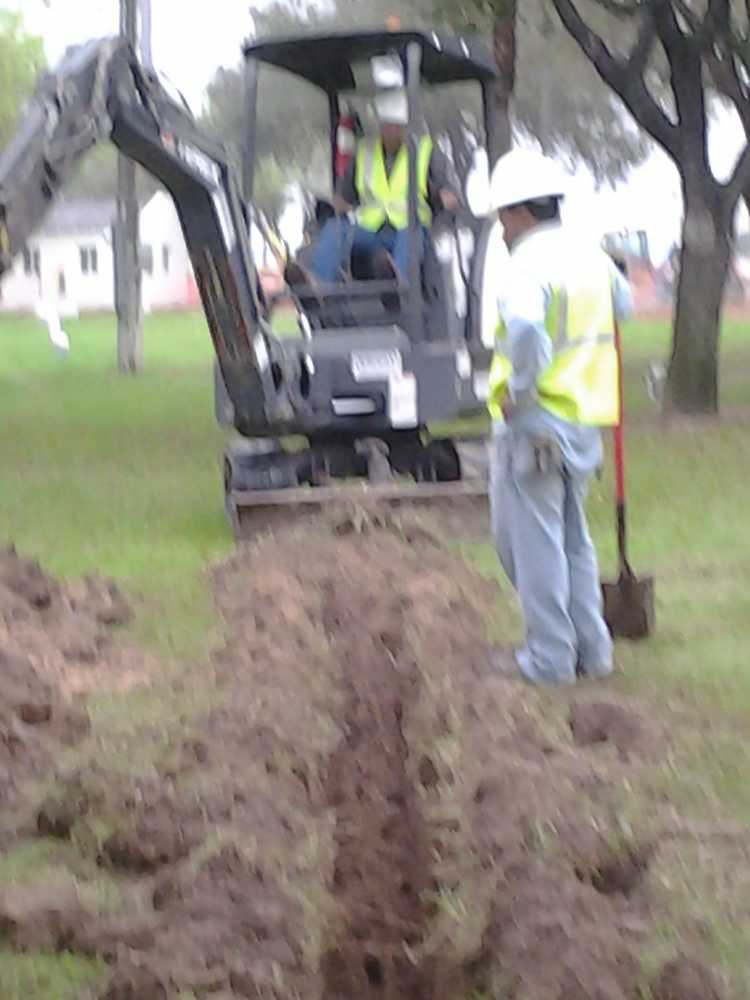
(392, 107)
(524, 175)
(387, 71)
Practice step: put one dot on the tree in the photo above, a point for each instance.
(21, 61)
(96, 177)
(497, 19)
(691, 44)
(547, 90)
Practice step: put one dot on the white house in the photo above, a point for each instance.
(69, 262)
(167, 278)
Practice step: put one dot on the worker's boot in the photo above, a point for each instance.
(296, 276)
(376, 452)
(502, 663)
(384, 269)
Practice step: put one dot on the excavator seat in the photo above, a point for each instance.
(364, 266)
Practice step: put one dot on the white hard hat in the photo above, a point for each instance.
(523, 175)
(392, 107)
(387, 71)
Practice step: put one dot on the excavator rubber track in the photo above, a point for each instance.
(253, 512)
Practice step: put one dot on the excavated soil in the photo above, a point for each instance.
(363, 810)
(55, 642)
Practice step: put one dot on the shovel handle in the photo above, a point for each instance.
(626, 571)
(619, 428)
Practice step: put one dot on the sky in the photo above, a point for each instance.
(190, 39)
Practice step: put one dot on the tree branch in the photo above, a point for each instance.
(716, 23)
(718, 16)
(685, 59)
(691, 18)
(625, 9)
(727, 80)
(740, 180)
(669, 29)
(740, 45)
(629, 85)
(644, 43)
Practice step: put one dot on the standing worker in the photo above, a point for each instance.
(553, 384)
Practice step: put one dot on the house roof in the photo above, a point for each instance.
(79, 215)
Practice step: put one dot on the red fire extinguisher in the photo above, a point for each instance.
(347, 132)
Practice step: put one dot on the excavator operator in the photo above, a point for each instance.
(376, 188)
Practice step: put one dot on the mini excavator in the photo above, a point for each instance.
(359, 382)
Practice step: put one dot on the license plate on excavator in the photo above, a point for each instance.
(375, 366)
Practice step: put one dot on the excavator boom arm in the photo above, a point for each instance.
(101, 91)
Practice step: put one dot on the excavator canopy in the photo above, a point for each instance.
(333, 61)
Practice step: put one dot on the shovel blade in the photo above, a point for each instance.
(629, 607)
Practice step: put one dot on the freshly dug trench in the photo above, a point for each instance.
(382, 862)
(365, 810)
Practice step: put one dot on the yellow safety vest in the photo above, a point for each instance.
(580, 384)
(384, 198)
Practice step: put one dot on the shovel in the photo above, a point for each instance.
(628, 603)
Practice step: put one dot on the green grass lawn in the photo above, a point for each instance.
(122, 476)
(116, 473)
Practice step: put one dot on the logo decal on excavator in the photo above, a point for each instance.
(195, 158)
(199, 162)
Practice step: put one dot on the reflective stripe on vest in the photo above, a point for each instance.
(580, 383)
(384, 198)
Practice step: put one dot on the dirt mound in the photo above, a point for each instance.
(364, 809)
(51, 637)
(66, 630)
(685, 979)
(35, 721)
(596, 720)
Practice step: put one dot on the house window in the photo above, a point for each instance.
(89, 260)
(32, 261)
(147, 259)
(165, 258)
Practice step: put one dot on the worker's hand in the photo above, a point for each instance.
(507, 408)
(450, 200)
(619, 263)
(341, 207)
(621, 266)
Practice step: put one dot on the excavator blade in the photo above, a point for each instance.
(253, 512)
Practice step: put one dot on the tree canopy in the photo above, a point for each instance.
(557, 97)
(21, 61)
(665, 59)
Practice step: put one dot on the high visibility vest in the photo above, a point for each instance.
(384, 198)
(580, 384)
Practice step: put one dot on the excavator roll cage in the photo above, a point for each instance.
(339, 65)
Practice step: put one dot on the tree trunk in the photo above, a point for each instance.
(504, 46)
(693, 380)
